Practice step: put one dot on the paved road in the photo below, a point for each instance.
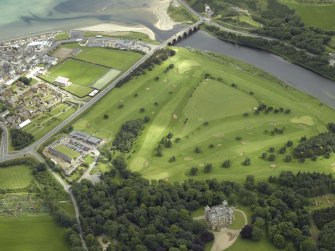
(4, 140)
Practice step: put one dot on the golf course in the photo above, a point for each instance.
(210, 114)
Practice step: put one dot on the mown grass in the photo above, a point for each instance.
(320, 15)
(180, 14)
(116, 59)
(15, 177)
(183, 95)
(32, 233)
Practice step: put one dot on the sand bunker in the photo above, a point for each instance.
(304, 120)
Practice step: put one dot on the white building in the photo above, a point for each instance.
(220, 216)
(25, 123)
(61, 81)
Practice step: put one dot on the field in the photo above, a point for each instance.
(67, 151)
(91, 68)
(33, 233)
(214, 114)
(180, 14)
(116, 59)
(81, 74)
(15, 177)
(45, 122)
(314, 13)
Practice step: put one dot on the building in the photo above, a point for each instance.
(62, 82)
(59, 155)
(82, 136)
(25, 123)
(220, 216)
(49, 60)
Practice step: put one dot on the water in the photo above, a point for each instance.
(296, 76)
(25, 17)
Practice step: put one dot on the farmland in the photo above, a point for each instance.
(211, 108)
(15, 177)
(314, 13)
(32, 233)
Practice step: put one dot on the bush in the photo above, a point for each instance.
(226, 163)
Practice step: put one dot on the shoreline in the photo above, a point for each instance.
(114, 27)
(160, 9)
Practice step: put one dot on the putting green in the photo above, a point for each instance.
(182, 100)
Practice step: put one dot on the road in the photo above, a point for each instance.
(4, 140)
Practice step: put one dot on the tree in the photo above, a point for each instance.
(246, 232)
(256, 234)
(272, 157)
(226, 163)
(279, 241)
(246, 162)
(327, 236)
(288, 158)
(208, 168)
(106, 116)
(194, 171)
(173, 159)
(197, 150)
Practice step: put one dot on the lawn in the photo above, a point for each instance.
(45, 122)
(81, 74)
(216, 115)
(112, 58)
(320, 15)
(262, 245)
(15, 177)
(32, 233)
(180, 14)
(67, 151)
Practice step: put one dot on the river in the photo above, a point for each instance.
(296, 76)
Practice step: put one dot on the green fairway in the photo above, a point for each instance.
(45, 122)
(320, 15)
(116, 59)
(67, 151)
(215, 114)
(15, 177)
(32, 233)
(81, 74)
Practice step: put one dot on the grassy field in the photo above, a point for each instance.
(116, 59)
(180, 14)
(45, 122)
(67, 151)
(15, 177)
(81, 74)
(209, 114)
(262, 245)
(314, 13)
(33, 233)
